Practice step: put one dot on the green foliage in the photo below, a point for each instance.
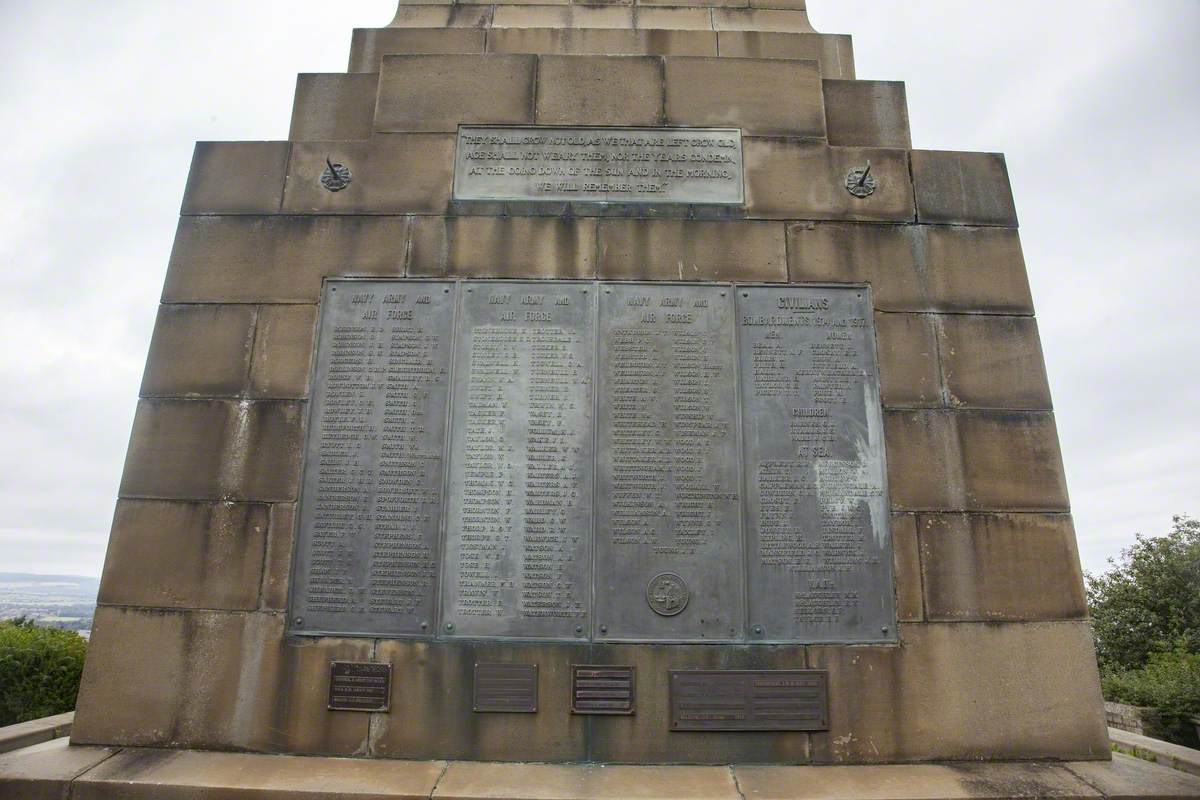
(39, 670)
(1149, 602)
(1169, 683)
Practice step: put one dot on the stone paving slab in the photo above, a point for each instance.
(51, 769)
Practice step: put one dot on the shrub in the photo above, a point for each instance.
(1169, 683)
(39, 670)
(1149, 601)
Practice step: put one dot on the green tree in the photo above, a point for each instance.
(40, 670)
(1149, 602)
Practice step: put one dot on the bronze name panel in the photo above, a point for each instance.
(602, 689)
(359, 686)
(366, 558)
(589, 460)
(668, 545)
(818, 548)
(749, 700)
(506, 688)
(519, 498)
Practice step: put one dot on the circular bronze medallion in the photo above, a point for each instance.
(667, 594)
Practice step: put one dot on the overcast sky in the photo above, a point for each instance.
(1096, 105)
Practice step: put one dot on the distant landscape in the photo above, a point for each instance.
(59, 601)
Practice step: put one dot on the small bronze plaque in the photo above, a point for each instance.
(506, 688)
(601, 689)
(359, 686)
(749, 700)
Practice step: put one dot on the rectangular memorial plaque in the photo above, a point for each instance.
(818, 543)
(668, 545)
(601, 689)
(370, 510)
(506, 688)
(605, 165)
(359, 686)
(749, 700)
(519, 499)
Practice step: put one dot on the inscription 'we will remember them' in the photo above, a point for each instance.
(594, 461)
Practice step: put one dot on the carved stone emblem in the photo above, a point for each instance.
(336, 176)
(860, 182)
(667, 594)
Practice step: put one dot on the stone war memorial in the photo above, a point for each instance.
(593, 401)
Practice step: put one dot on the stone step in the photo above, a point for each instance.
(24, 734)
(1165, 753)
(52, 769)
(833, 52)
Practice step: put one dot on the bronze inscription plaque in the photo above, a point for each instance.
(359, 686)
(749, 700)
(519, 511)
(506, 688)
(668, 543)
(602, 689)
(370, 508)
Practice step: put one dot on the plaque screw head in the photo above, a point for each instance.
(449, 626)
(884, 629)
(424, 625)
(299, 621)
(578, 630)
(603, 629)
(758, 630)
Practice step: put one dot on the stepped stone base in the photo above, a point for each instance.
(56, 769)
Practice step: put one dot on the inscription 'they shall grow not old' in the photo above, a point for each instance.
(604, 165)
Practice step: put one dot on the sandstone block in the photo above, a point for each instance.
(601, 41)
(571, 16)
(173, 554)
(956, 691)
(461, 32)
(705, 4)
(277, 563)
(762, 97)
(236, 178)
(962, 188)
(994, 567)
(908, 360)
(439, 92)
(801, 180)
(283, 346)
(599, 90)
(645, 735)
(688, 19)
(1011, 461)
(976, 269)
(867, 113)
(432, 704)
(833, 52)
(504, 247)
(278, 259)
(691, 250)
(761, 19)
(213, 449)
(45, 771)
(906, 557)
(199, 350)
(332, 107)
(442, 16)
(993, 362)
(213, 680)
(392, 173)
(924, 463)
(917, 267)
